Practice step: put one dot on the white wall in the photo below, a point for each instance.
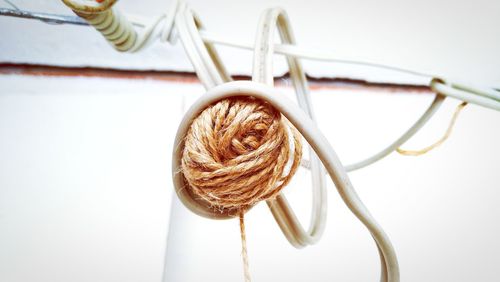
(85, 187)
(458, 39)
(85, 178)
(85, 190)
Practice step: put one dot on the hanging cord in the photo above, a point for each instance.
(244, 251)
(440, 141)
(390, 269)
(213, 76)
(311, 133)
(162, 28)
(485, 97)
(163, 25)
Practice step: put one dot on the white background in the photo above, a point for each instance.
(85, 190)
(85, 186)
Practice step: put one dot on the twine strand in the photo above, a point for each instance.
(244, 251)
(440, 141)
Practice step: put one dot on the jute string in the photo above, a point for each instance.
(440, 141)
(238, 152)
(244, 251)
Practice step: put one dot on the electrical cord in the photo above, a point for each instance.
(319, 143)
(214, 77)
(484, 97)
(199, 45)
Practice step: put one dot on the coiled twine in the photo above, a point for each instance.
(238, 152)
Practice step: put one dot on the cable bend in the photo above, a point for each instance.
(271, 20)
(205, 60)
(409, 133)
(318, 142)
(124, 37)
(211, 71)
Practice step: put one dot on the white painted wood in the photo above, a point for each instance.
(442, 37)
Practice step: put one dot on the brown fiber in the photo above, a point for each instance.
(238, 152)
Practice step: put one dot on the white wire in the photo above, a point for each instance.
(485, 92)
(489, 97)
(271, 20)
(309, 130)
(212, 73)
(471, 95)
(475, 95)
(431, 110)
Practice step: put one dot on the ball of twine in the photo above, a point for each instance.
(238, 152)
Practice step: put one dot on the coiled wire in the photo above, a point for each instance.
(114, 27)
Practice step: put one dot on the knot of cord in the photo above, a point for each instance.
(238, 152)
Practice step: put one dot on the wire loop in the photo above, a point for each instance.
(198, 44)
(211, 72)
(311, 133)
(263, 73)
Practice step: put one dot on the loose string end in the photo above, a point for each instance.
(440, 141)
(244, 251)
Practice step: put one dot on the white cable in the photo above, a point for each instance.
(309, 130)
(472, 95)
(298, 52)
(211, 72)
(431, 110)
(125, 37)
(481, 96)
(485, 92)
(270, 20)
(410, 132)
